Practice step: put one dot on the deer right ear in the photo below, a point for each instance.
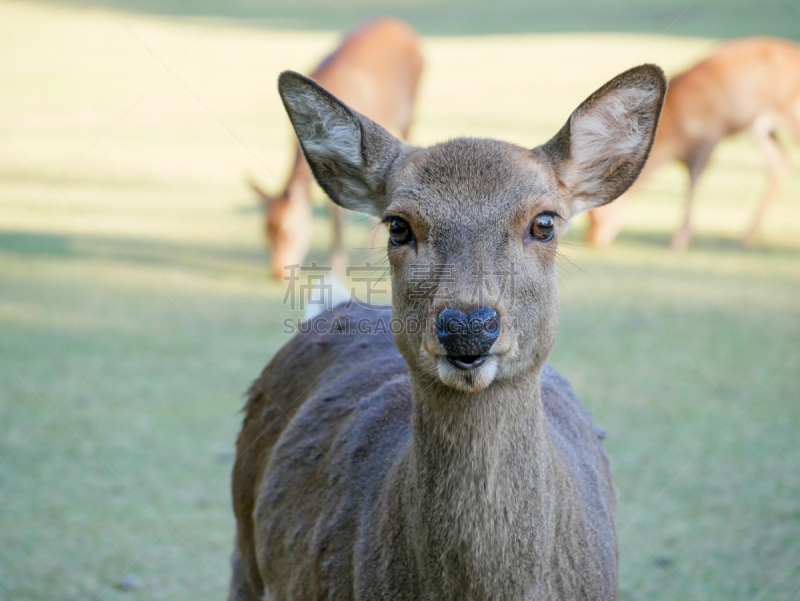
(351, 156)
(602, 148)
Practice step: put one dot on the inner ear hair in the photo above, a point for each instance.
(603, 146)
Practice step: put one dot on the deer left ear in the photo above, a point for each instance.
(601, 149)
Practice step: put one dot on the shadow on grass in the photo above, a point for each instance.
(207, 258)
(715, 18)
(709, 244)
(140, 251)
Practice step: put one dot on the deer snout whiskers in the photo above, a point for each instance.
(468, 378)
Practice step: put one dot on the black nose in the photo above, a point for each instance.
(467, 338)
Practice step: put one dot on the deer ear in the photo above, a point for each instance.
(602, 148)
(351, 157)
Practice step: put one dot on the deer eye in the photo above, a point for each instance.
(399, 231)
(543, 227)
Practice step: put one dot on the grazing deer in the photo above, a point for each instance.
(376, 70)
(444, 460)
(746, 84)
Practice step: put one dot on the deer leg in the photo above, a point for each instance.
(605, 222)
(696, 163)
(778, 166)
(680, 239)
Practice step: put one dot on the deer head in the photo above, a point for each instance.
(287, 227)
(474, 224)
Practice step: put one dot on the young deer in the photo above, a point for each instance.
(376, 69)
(747, 84)
(444, 461)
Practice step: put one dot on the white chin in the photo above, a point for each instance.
(467, 380)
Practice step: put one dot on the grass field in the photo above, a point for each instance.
(135, 311)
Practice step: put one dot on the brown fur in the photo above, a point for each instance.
(746, 84)
(376, 70)
(370, 468)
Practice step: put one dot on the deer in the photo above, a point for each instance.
(426, 450)
(376, 69)
(749, 84)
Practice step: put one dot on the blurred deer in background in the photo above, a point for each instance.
(376, 70)
(441, 459)
(751, 84)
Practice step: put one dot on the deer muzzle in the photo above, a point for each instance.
(467, 339)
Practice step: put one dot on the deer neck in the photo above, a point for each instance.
(298, 186)
(481, 482)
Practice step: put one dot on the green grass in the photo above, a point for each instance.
(134, 304)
